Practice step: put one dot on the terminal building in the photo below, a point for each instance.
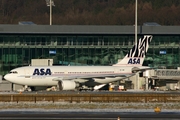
(85, 45)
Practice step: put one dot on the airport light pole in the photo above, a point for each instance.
(137, 74)
(50, 3)
(136, 22)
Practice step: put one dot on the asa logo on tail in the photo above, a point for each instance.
(134, 61)
(42, 71)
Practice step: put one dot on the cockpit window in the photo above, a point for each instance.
(13, 72)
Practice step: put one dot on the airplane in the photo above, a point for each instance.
(82, 77)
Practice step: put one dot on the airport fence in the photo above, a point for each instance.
(106, 98)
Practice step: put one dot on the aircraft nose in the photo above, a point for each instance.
(6, 77)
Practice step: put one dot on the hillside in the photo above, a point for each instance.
(91, 12)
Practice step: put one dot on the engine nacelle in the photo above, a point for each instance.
(67, 85)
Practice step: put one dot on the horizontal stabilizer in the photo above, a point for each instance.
(142, 69)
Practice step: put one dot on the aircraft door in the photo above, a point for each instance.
(27, 73)
(117, 70)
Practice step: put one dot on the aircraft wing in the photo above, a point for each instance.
(92, 76)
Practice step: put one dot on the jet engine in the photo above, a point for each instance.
(67, 85)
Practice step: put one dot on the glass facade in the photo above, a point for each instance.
(18, 50)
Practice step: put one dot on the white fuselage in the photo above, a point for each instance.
(45, 75)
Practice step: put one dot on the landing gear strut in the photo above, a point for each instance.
(26, 88)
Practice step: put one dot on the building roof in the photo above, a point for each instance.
(87, 29)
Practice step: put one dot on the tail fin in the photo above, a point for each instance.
(137, 54)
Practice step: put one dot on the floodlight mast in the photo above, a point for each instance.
(50, 3)
(137, 75)
(136, 22)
